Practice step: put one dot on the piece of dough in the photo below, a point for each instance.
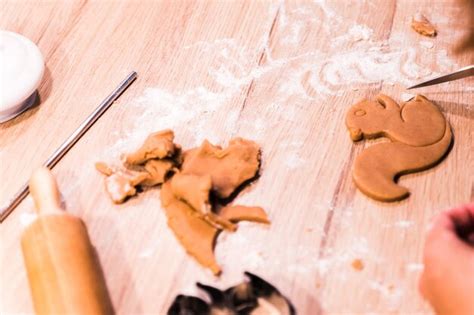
(195, 190)
(422, 26)
(157, 171)
(244, 213)
(121, 184)
(229, 168)
(412, 148)
(206, 171)
(195, 234)
(158, 145)
(104, 168)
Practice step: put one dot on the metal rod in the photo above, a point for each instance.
(460, 74)
(70, 141)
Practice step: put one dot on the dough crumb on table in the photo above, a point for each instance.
(194, 184)
(422, 26)
(358, 264)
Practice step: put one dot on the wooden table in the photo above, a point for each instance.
(282, 74)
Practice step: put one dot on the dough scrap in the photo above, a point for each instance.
(158, 145)
(195, 190)
(189, 180)
(121, 183)
(195, 234)
(158, 170)
(416, 144)
(422, 26)
(229, 168)
(244, 213)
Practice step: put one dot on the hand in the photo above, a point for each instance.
(447, 281)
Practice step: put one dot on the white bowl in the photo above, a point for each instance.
(21, 71)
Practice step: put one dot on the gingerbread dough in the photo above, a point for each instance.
(197, 235)
(120, 184)
(417, 123)
(207, 171)
(416, 145)
(158, 145)
(244, 213)
(229, 168)
(195, 190)
(422, 26)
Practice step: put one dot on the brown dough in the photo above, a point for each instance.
(417, 123)
(195, 234)
(121, 184)
(244, 213)
(185, 193)
(422, 26)
(229, 168)
(413, 147)
(158, 170)
(104, 168)
(158, 145)
(195, 190)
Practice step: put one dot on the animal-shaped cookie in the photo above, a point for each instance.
(420, 137)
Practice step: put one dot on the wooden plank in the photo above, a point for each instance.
(282, 74)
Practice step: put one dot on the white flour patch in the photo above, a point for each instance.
(405, 97)
(414, 267)
(426, 44)
(390, 294)
(27, 218)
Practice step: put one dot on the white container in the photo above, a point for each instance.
(21, 71)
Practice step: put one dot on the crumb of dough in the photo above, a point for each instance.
(357, 264)
(422, 26)
(104, 168)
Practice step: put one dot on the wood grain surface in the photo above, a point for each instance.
(281, 73)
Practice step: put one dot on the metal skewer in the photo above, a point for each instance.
(69, 143)
(460, 74)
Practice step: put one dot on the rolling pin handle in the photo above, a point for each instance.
(45, 192)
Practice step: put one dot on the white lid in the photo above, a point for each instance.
(21, 70)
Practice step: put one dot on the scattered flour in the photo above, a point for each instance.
(355, 60)
(414, 267)
(426, 44)
(405, 97)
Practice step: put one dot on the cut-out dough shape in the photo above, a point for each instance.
(420, 136)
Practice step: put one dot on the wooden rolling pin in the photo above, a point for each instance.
(63, 269)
